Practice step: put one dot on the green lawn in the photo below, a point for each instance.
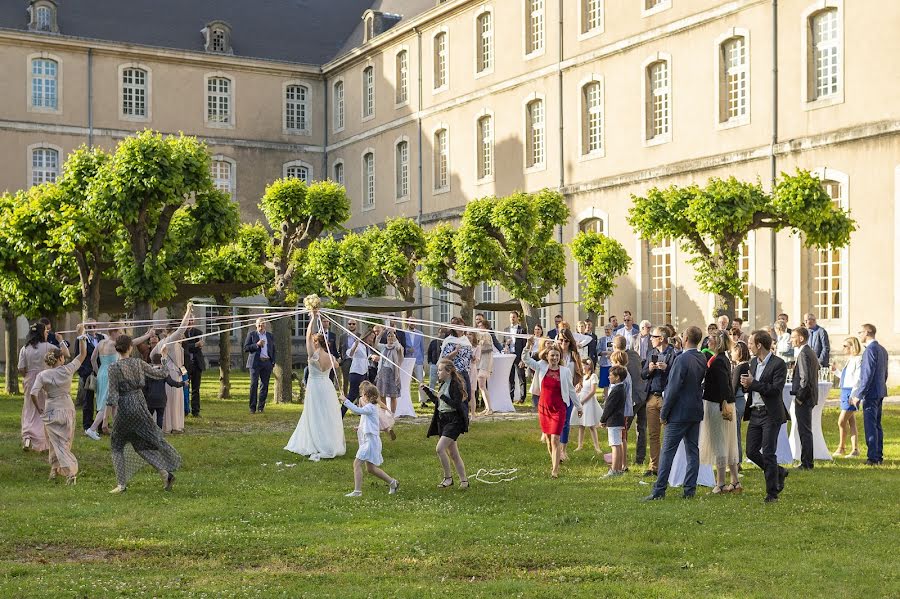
(240, 524)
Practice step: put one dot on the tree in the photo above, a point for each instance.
(712, 222)
(159, 193)
(396, 251)
(510, 241)
(337, 269)
(439, 268)
(601, 260)
(241, 261)
(297, 214)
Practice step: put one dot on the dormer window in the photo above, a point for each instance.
(370, 27)
(377, 22)
(42, 16)
(218, 37)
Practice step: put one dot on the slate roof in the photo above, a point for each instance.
(300, 31)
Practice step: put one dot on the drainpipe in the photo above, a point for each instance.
(325, 129)
(562, 161)
(773, 163)
(419, 125)
(90, 96)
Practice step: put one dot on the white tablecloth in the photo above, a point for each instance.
(820, 449)
(404, 403)
(705, 476)
(498, 383)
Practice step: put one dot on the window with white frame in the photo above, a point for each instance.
(484, 34)
(134, 92)
(43, 18)
(339, 172)
(534, 117)
(592, 117)
(402, 76)
(44, 79)
(733, 97)
(44, 165)
(591, 15)
(368, 168)
(301, 321)
(222, 172)
(826, 53)
(827, 268)
(440, 60)
(402, 166)
(661, 291)
(653, 6)
(592, 225)
(742, 306)
(296, 108)
(443, 311)
(534, 21)
(546, 321)
(368, 95)
(297, 171)
(338, 105)
(218, 100)
(441, 160)
(489, 296)
(485, 146)
(658, 105)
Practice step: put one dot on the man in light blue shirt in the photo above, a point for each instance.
(415, 347)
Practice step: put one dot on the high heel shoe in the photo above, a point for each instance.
(119, 489)
(464, 484)
(26, 445)
(447, 482)
(72, 480)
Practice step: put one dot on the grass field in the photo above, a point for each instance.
(243, 520)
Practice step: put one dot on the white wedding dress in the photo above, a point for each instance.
(320, 432)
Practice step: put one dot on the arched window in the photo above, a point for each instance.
(368, 95)
(441, 161)
(534, 26)
(338, 168)
(591, 16)
(826, 53)
(402, 76)
(44, 165)
(368, 168)
(43, 18)
(338, 105)
(298, 170)
(134, 93)
(592, 118)
(222, 172)
(402, 168)
(219, 101)
(296, 108)
(734, 81)
(657, 95)
(484, 36)
(485, 156)
(661, 280)
(44, 88)
(440, 60)
(534, 117)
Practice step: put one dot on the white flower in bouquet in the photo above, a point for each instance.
(312, 302)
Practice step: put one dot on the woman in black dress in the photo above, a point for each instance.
(450, 420)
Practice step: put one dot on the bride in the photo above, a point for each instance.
(320, 432)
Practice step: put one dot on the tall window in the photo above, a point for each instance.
(296, 108)
(44, 165)
(368, 180)
(484, 35)
(44, 74)
(648, 4)
(534, 113)
(592, 141)
(658, 108)
(826, 53)
(134, 93)
(591, 15)
(338, 105)
(402, 166)
(441, 160)
(661, 283)
(443, 309)
(43, 19)
(218, 41)
(402, 77)
(534, 32)
(742, 306)
(218, 100)
(296, 171)
(546, 321)
(440, 60)
(733, 97)
(368, 81)
(828, 292)
(485, 147)
(222, 173)
(339, 172)
(489, 296)
(301, 322)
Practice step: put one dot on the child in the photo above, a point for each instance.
(369, 452)
(155, 392)
(590, 408)
(613, 418)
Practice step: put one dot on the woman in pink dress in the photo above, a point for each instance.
(32, 363)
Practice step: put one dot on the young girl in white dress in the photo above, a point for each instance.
(368, 433)
(590, 416)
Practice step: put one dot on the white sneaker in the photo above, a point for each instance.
(392, 488)
(92, 434)
(354, 494)
(611, 474)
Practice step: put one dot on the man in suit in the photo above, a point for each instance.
(764, 383)
(345, 344)
(805, 389)
(818, 340)
(515, 345)
(260, 344)
(871, 390)
(195, 363)
(784, 318)
(642, 344)
(629, 329)
(682, 413)
(330, 338)
(554, 332)
(85, 396)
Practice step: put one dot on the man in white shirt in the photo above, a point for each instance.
(514, 344)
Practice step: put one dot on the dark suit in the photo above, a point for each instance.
(553, 333)
(614, 407)
(682, 411)
(260, 369)
(344, 347)
(805, 389)
(518, 367)
(818, 341)
(85, 397)
(872, 390)
(195, 363)
(639, 395)
(765, 422)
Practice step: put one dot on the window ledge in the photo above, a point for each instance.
(586, 35)
(134, 119)
(399, 105)
(337, 130)
(305, 132)
(440, 191)
(484, 73)
(485, 180)
(535, 54)
(733, 123)
(658, 140)
(824, 102)
(216, 125)
(592, 156)
(440, 90)
(42, 110)
(656, 9)
(367, 118)
(368, 208)
(401, 200)
(537, 168)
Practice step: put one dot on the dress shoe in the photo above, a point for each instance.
(253, 411)
(771, 498)
(872, 463)
(802, 467)
(691, 496)
(782, 474)
(653, 497)
(650, 473)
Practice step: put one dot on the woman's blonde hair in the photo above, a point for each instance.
(855, 348)
(52, 357)
(619, 357)
(370, 392)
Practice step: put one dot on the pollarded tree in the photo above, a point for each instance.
(601, 260)
(439, 268)
(337, 269)
(712, 222)
(241, 261)
(297, 214)
(396, 250)
(511, 241)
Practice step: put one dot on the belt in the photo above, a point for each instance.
(266, 359)
(654, 395)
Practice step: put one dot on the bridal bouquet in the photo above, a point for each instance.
(312, 302)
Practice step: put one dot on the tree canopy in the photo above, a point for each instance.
(439, 266)
(601, 260)
(337, 269)
(396, 251)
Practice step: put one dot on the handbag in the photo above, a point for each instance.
(90, 383)
(727, 411)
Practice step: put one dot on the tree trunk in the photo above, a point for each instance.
(11, 346)
(467, 299)
(724, 305)
(142, 311)
(90, 296)
(281, 327)
(225, 365)
(531, 314)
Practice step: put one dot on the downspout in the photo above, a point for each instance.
(562, 162)
(773, 163)
(325, 129)
(419, 124)
(90, 96)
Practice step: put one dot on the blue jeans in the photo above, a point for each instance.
(740, 403)
(874, 433)
(675, 432)
(564, 437)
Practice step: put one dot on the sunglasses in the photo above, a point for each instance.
(656, 336)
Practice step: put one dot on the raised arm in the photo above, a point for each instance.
(143, 338)
(310, 332)
(179, 332)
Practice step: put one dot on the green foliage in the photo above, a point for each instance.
(396, 250)
(241, 261)
(439, 260)
(805, 207)
(511, 241)
(337, 269)
(601, 260)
